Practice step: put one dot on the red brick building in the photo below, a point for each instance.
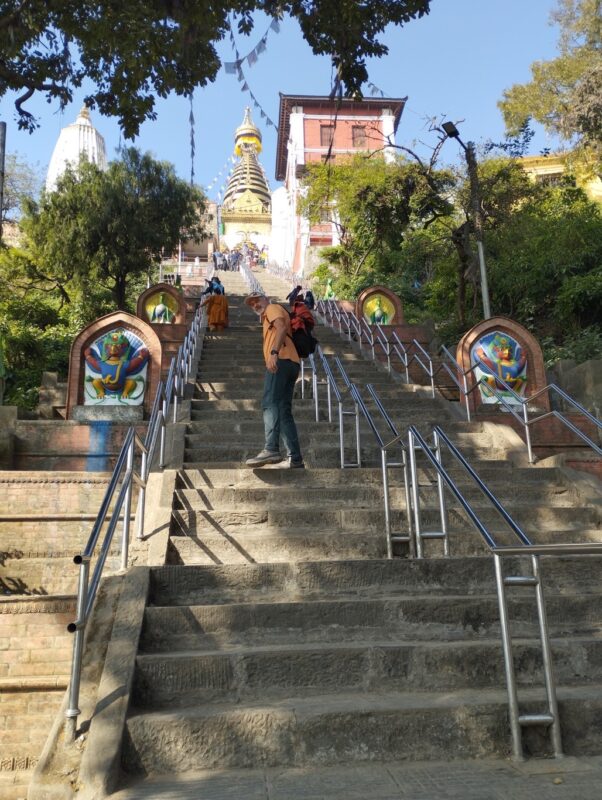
(320, 129)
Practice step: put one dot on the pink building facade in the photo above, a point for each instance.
(320, 129)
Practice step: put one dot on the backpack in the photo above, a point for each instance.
(302, 324)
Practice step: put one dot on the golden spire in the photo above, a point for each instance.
(247, 134)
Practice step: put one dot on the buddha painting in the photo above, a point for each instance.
(499, 356)
(379, 310)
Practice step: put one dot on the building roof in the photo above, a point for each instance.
(288, 101)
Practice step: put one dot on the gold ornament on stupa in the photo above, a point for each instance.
(247, 192)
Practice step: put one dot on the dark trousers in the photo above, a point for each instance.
(277, 405)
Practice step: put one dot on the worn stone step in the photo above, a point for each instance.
(215, 584)
(280, 519)
(212, 477)
(234, 675)
(353, 496)
(291, 546)
(327, 729)
(399, 618)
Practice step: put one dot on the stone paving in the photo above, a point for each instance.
(564, 779)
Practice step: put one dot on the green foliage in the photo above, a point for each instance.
(99, 230)
(136, 51)
(579, 347)
(88, 249)
(21, 181)
(565, 94)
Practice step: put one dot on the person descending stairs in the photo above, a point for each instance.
(283, 656)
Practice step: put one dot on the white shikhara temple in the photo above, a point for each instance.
(76, 140)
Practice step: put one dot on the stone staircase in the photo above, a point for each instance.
(45, 519)
(278, 635)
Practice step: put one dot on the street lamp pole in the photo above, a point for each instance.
(475, 202)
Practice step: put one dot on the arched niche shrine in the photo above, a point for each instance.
(162, 304)
(379, 306)
(114, 369)
(500, 348)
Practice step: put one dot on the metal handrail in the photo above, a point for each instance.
(525, 547)
(125, 475)
(250, 279)
(426, 363)
(523, 403)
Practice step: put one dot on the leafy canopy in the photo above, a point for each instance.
(101, 229)
(141, 49)
(565, 94)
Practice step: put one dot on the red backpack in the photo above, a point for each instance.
(302, 324)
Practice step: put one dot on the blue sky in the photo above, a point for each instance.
(455, 62)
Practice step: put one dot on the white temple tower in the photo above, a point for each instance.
(78, 139)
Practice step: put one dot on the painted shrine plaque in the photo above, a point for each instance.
(500, 349)
(115, 371)
(499, 356)
(379, 306)
(161, 308)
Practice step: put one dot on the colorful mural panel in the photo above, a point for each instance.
(161, 308)
(499, 355)
(379, 310)
(115, 369)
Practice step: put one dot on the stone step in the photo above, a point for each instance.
(423, 617)
(327, 729)
(242, 674)
(353, 496)
(267, 477)
(537, 519)
(314, 435)
(318, 451)
(218, 584)
(239, 546)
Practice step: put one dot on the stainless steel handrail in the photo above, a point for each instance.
(523, 403)
(250, 279)
(125, 475)
(525, 548)
(425, 361)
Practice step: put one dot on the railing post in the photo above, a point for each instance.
(432, 377)
(548, 666)
(314, 383)
(162, 442)
(302, 379)
(79, 630)
(127, 505)
(329, 399)
(386, 499)
(527, 431)
(415, 496)
(358, 444)
(144, 470)
(517, 745)
(406, 486)
(342, 434)
(441, 496)
(466, 399)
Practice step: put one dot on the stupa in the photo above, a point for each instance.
(246, 210)
(76, 140)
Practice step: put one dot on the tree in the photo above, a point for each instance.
(135, 51)
(21, 181)
(104, 229)
(565, 94)
(371, 204)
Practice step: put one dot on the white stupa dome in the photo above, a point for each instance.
(79, 138)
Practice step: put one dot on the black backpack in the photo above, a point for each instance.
(302, 324)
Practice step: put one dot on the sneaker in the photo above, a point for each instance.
(296, 464)
(265, 457)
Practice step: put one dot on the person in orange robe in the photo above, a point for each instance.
(217, 311)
